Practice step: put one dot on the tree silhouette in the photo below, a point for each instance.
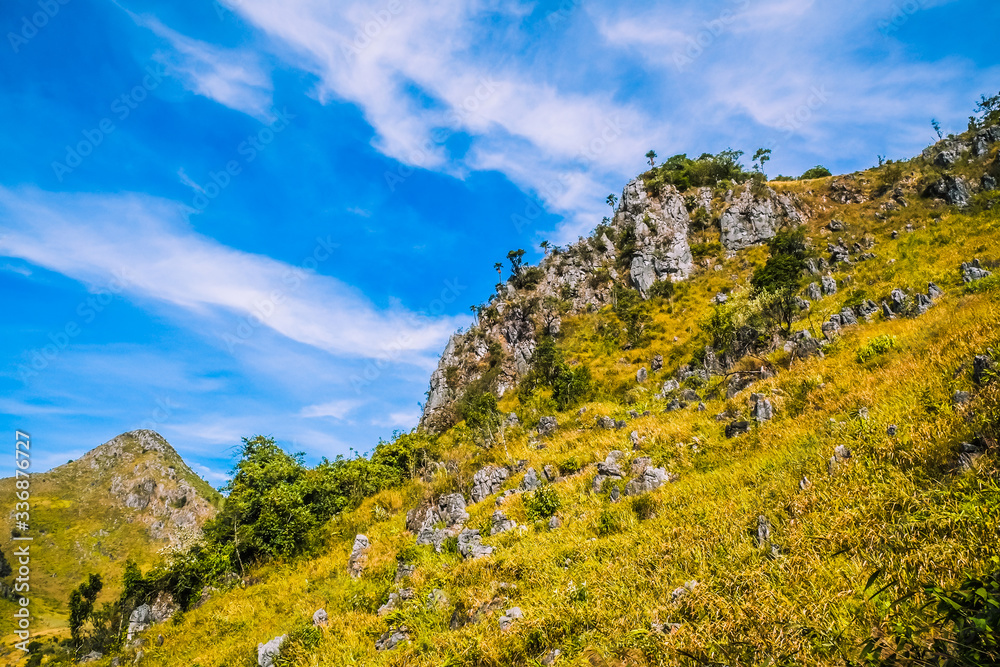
(516, 259)
(498, 267)
(611, 201)
(760, 158)
(545, 245)
(651, 156)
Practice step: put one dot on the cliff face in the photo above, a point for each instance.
(647, 242)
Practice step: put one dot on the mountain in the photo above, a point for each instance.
(126, 499)
(742, 423)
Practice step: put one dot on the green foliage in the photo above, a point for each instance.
(783, 269)
(570, 385)
(747, 321)
(570, 467)
(298, 645)
(662, 289)
(633, 313)
(81, 606)
(703, 250)
(542, 503)
(987, 284)
(969, 617)
(889, 175)
(708, 170)
(608, 523)
(876, 347)
(819, 171)
(481, 415)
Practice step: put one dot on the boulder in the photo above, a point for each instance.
(934, 292)
(530, 481)
(609, 469)
(554, 522)
(868, 309)
(829, 285)
(961, 397)
(268, 653)
(762, 409)
(606, 423)
(751, 219)
(953, 189)
(404, 571)
(642, 273)
(392, 638)
(320, 618)
(847, 317)
(93, 656)
(501, 524)
(163, 607)
(945, 159)
(641, 375)
(507, 620)
(359, 556)
(139, 620)
(650, 479)
(547, 426)
(837, 225)
(550, 473)
(892, 430)
(813, 292)
(470, 545)
(982, 367)
(669, 386)
(972, 272)
(657, 363)
(737, 428)
(488, 481)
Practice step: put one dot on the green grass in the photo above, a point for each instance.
(896, 510)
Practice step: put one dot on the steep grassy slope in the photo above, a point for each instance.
(128, 498)
(849, 537)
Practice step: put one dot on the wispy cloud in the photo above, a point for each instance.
(336, 409)
(236, 78)
(146, 244)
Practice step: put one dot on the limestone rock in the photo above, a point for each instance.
(829, 285)
(641, 375)
(269, 652)
(650, 480)
(488, 481)
(547, 426)
(140, 620)
(953, 189)
(752, 220)
(359, 556)
(972, 272)
(737, 428)
(501, 524)
(392, 638)
(320, 618)
(530, 481)
(471, 546)
(507, 620)
(762, 409)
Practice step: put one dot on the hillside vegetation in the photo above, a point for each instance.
(129, 498)
(745, 423)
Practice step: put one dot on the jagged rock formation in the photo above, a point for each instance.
(647, 241)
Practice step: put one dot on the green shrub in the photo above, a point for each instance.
(542, 503)
(984, 285)
(876, 347)
(608, 523)
(570, 467)
(818, 171)
(703, 250)
(644, 506)
(963, 632)
(298, 645)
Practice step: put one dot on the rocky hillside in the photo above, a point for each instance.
(646, 454)
(129, 498)
(650, 240)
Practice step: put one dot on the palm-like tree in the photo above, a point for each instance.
(651, 156)
(611, 201)
(544, 245)
(498, 267)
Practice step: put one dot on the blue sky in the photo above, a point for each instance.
(219, 219)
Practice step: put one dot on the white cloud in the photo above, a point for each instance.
(143, 246)
(420, 69)
(337, 409)
(236, 78)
